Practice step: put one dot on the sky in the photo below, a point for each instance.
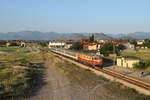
(108, 16)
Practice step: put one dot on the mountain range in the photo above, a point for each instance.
(36, 35)
(135, 35)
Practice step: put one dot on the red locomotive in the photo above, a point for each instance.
(90, 59)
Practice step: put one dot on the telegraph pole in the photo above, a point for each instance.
(114, 51)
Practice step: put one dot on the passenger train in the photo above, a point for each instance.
(89, 59)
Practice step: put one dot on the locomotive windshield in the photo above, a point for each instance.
(95, 58)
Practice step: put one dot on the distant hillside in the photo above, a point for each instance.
(28, 35)
(135, 35)
(101, 36)
(36, 35)
(139, 35)
(71, 36)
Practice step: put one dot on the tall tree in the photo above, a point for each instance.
(77, 46)
(92, 38)
(107, 49)
(146, 43)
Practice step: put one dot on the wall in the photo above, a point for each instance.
(126, 63)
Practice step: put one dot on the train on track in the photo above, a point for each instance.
(89, 59)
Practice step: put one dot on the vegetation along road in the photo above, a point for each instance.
(20, 71)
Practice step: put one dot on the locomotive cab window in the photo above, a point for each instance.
(95, 58)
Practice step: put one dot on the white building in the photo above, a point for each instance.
(127, 62)
(129, 46)
(101, 41)
(140, 42)
(22, 44)
(68, 46)
(56, 44)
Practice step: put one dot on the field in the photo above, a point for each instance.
(8, 49)
(143, 54)
(18, 73)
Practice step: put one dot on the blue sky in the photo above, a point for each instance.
(109, 16)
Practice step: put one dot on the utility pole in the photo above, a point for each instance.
(114, 52)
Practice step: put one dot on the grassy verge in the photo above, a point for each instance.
(18, 75)
(142, 54)
(8, 49)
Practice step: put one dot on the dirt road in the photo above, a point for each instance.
(57, 86)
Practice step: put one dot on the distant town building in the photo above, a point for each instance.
(101, 41)
(100, 45)
(22, 44)
(140, 42)
(7, 44)
(90, 46)
(68, 46)
(2, 43)
(129, 46)
(56, 44)
(127, 62)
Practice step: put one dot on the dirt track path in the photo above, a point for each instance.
(57, 86)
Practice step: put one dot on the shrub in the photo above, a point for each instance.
(17, 77)
(140, 65)
(107, 49)
(147, 63)
(77, 46)
(13, 82)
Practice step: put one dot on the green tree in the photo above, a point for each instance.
(146, 43)
(147, 63)
(77, 46)
(107, 49)
(140, 65)
(119, 48)
(43, 43)
(92, 38)
(134, 42)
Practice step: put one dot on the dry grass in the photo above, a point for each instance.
(17, 74)
(142, 54)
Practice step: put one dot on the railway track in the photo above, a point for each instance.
(114, 74)
(126, 78)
